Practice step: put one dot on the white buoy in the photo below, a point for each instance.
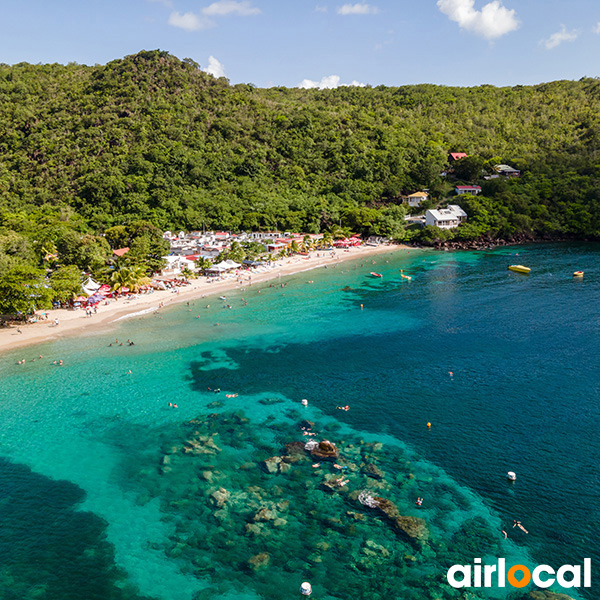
(306, 589)
(511, 476)
(304, 402)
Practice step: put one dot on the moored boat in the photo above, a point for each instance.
(519, 269)
(376, 274)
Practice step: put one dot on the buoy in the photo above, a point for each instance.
(306, 589)
(361, 307)
(511, 476)
(305, 402)
(429, 425)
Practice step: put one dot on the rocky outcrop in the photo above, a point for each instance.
(413, 529)
(325, 450)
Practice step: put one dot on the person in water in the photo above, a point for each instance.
(419, 501)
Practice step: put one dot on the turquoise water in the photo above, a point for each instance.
(96, 503)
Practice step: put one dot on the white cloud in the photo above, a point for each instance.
(223, 8)
(597, 28)
(189, 21)
(559, 37)
(492, 21)
(357, 9)
(215, 68)
(194, 22)
(328, 83)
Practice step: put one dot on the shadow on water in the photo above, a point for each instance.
(49, 550)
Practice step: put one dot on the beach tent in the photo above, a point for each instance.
(90, 286)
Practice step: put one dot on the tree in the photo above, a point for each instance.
(23, 290)
(66, 283)
(203, 264)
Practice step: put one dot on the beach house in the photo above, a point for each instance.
(415, 199)
(446, 218)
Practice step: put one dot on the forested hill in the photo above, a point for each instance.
(153, 137)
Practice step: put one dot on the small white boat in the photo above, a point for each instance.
(511, 476)
(306, 589)
(222, 298)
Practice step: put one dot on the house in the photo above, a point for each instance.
(416, 198)
(468, 189)
(507, 171)
(457, 156)
(446, 218)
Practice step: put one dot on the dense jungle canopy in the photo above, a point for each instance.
(151, 142)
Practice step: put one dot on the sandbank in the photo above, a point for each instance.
(75, 322)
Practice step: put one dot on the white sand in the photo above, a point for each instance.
(75, 322)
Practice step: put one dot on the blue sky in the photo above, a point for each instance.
(320, 42)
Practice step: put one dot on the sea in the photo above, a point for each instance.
(176, 468)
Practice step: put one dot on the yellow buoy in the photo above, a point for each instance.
(429, 425)
(361, 307)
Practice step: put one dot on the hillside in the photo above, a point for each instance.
(153, 138)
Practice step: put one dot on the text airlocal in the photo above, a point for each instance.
(518, 576)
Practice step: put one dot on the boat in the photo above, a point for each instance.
(222, 298)
(376, 274)
(578, 274)
(511, 476)
(519, 269)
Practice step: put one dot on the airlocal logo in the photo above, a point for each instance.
(479, 575)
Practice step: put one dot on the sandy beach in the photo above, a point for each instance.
(75, 322)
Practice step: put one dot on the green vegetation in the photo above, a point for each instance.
(97, 158)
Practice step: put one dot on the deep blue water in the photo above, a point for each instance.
(78, 442)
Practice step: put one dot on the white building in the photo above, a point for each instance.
(446, 218)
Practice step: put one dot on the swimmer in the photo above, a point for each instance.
(128, 372)
(419, 501)
(170, 404)
(451, 373)
(505, 534)
(316, 465)
(175, 406)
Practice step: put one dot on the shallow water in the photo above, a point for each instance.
(90, 439)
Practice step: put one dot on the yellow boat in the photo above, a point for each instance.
(519, 269)
(578, 274)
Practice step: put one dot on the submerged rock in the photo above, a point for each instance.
(545, 595)
(259, 561)
(325, 449)
(413, 529)
(220, 496)
(265, 514)
(374, 471)
(272, 464)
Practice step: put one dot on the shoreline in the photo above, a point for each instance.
(74, 322)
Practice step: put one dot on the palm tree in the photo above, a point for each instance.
(294, 247)
(308, 243)
(132, 278)
(203, 264)
(326, 240)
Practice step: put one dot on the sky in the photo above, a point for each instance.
(320, 43)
